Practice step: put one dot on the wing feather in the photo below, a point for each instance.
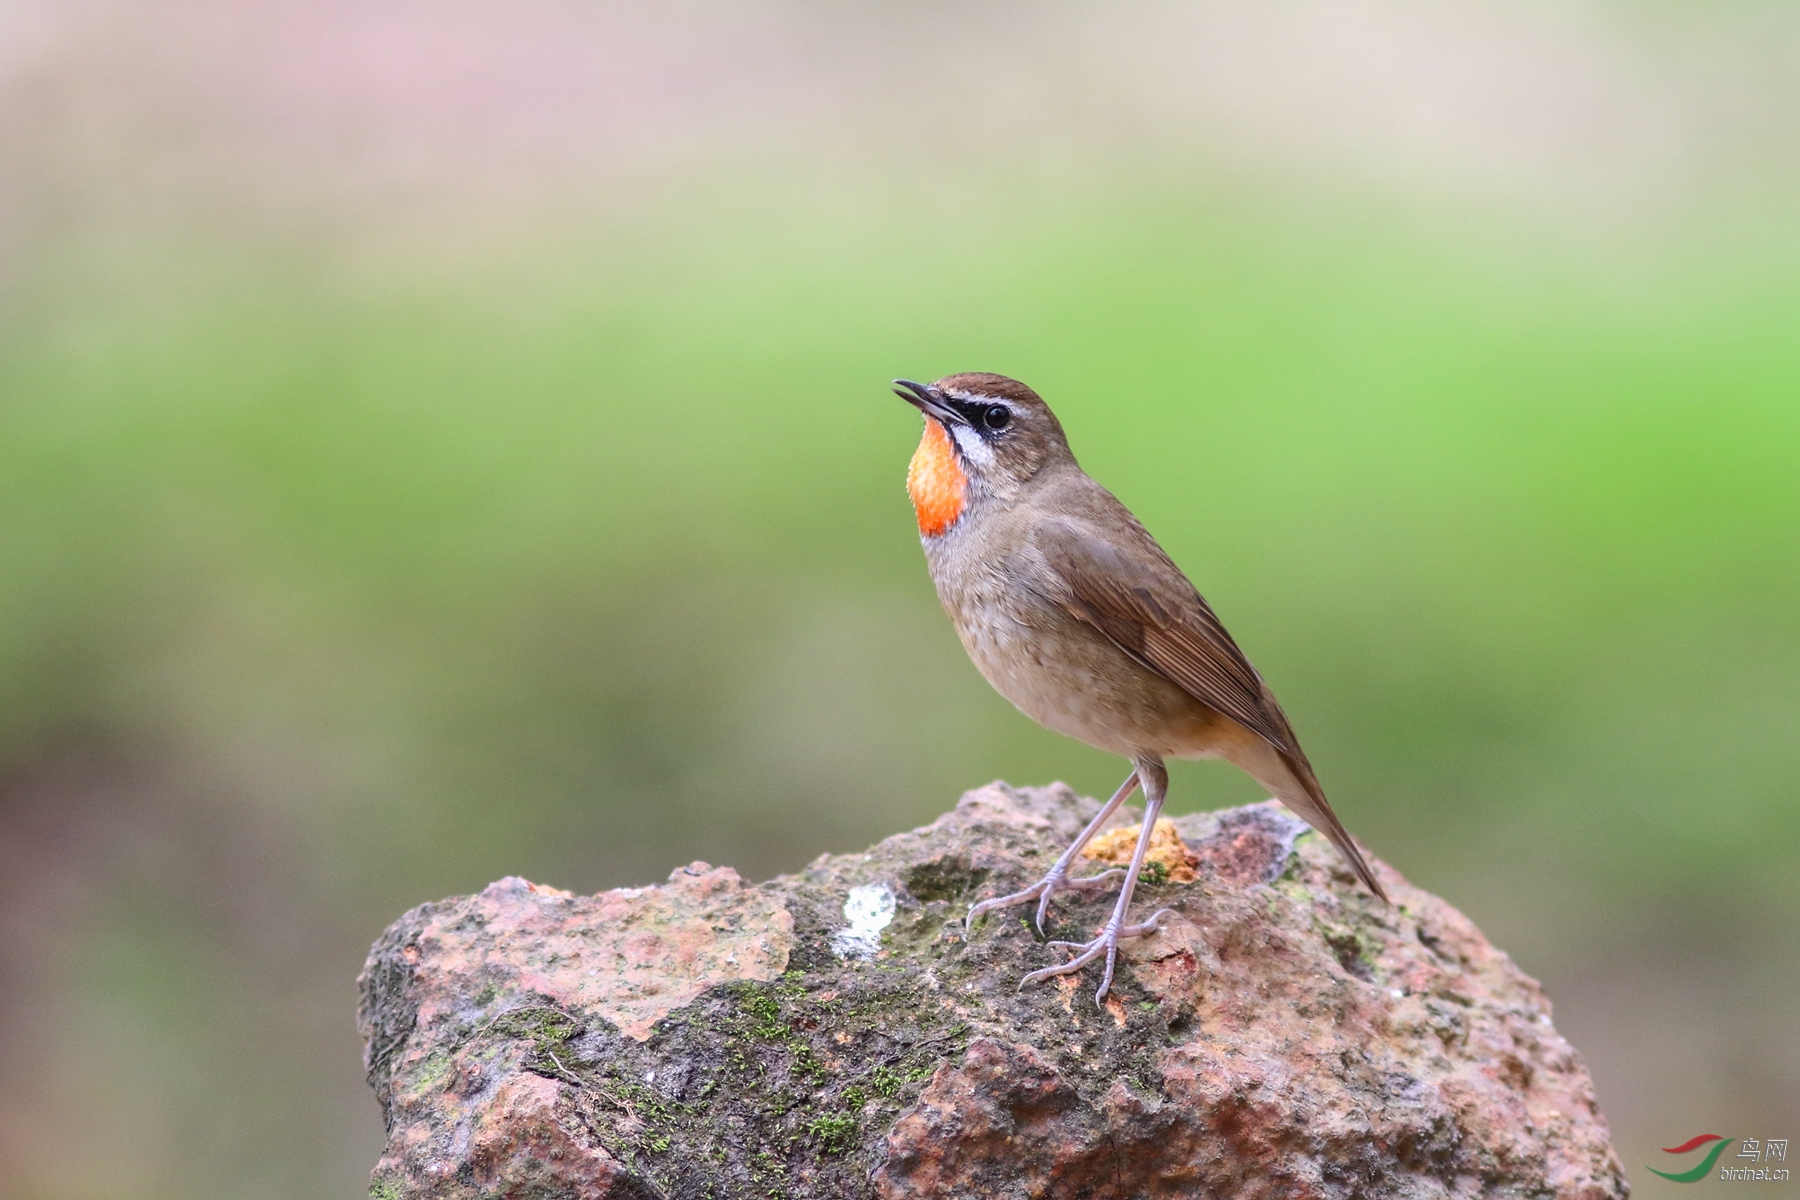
(1138, 598)
(1144, 604)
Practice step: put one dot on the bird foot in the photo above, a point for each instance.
(1058, 880)
(1107, 943)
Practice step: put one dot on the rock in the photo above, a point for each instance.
(837, 1034)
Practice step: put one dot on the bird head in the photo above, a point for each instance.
(985, 435)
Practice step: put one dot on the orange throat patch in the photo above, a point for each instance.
(936, 482)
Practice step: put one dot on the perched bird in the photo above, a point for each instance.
(1073, 612)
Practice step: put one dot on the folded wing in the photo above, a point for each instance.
(1141, 601)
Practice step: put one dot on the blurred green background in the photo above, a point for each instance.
(448, 440)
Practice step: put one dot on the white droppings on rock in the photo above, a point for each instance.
(869, 909)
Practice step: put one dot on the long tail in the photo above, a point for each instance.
(1285, 772)
(1308, 801)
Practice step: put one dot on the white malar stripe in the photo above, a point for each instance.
(973, 445)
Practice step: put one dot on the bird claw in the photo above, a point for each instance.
(1107, 943)
(1058, 880)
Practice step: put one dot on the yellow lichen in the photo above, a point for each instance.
(1114, 847)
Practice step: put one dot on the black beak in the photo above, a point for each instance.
(928, 400)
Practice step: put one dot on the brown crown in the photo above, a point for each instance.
(985, 383)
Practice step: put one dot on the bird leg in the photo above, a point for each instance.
(1156, 786)
(1058, 879)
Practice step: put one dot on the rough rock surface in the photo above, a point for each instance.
(1284, 1035)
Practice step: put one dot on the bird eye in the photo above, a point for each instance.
(998, 416)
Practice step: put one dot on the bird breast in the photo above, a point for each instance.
(1055, 668)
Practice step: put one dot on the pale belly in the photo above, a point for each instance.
(1066, 676)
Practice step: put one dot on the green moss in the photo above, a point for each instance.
(764, 1011)
(646, 1104)
(1355, 951)
(767, 1098)
(1155, 873)
(763, 1165)
(549, 1030)
(432, 1073)
(1290, 869)
(832, 1133)
(887, 1081)
(383, 1189)
(808, 1064)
